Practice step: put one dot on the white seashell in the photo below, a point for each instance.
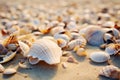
(50, 38)
(56, 30)
(24, 47)
(109, 71)
(111, 49)
(75, 35)
(94, 35)
(62, 36)
(1, 68)
(9, 71)
(71, 25)
(81, 52)
(46, 50)
(77, 42)
(107, 36)
(22, 65)
(61, 42)
(108, 24)
(116, 33)
(10, 55)
(99, 57)
(12, 46)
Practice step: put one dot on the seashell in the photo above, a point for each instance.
(21, 65)
(107, 37)
(64, 65)
(111, 49)
(94, 35)
(61, 42)
(50, 38)
(110, 71)
(9, 71)
(71, 60)
(81, 42)
(42, 50)
(75, 35)
(62, 36)
(10, 55)
(116, 33)
(71, 25)
(108, 24)
(24, 47)
(28, 37)
(99, 57)
(12, 46)
(12, 39)
(56, 30)
(81, 52)
(1, 68)
(33, 60)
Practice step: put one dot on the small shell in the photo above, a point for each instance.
(46, 50)
(116, 33)
(12, 46)
(110, 71)
(24, 47)
(9, 71)
(61, 42)
(33, 60)
(1, 68)
(111, 49)
(12, 39)
(10, 55)
(107, 36)
(75, 35)
(71, 60)
(99, 57)
(22, 65)
(81, 42)
(64, 65)
(81, 52)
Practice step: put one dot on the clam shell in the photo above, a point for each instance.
(46, 50)
(9, 71)
(77, 42)
(10, 55)
(107, 71)
(111, 49)
(99, 57)
(61, 42)
(24, 47)
(1, 68)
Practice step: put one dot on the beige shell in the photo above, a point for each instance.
(110, 71)
(77, 42)
(10, 55)
(81, 52)
(62, 43)
(9, 71)
(46, 50)
(24, 47)
(1, 68)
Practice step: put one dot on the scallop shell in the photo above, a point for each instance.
(109, 71)
(46, 50)
(111, 49)
(10, 55)
(24, 47)
(77, 42)
(1, 68)
(9, 71)
(94, 35)
(99, 57)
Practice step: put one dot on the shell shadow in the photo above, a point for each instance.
(40, 70)
(98, 64)
(8, 76)
(106, 78)
(78, 58)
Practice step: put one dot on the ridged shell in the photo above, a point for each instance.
(77, 42)
(110, 49)
(24, 47)
(99, 57)
(9, 71)
(46, 50)
(94, 35)
(108, 71)
(10, 55)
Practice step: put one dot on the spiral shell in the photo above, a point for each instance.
(99, 57)
(109, 71)
(46, 50)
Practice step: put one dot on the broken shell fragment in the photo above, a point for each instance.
(46, 50)
(9, 71)
(99, 57)
(10, 55)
